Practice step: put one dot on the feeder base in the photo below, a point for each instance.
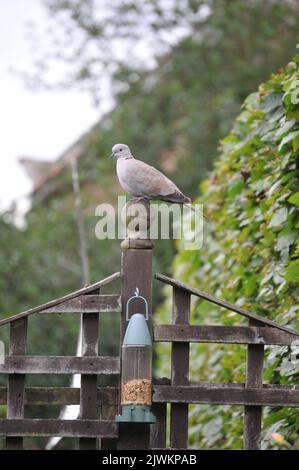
(135, 414)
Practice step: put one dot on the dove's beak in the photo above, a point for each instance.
(112, 155)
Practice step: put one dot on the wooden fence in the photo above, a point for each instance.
(96, 427)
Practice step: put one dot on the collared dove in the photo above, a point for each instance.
(144, 181)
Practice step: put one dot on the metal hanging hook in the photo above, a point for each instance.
(134, 297)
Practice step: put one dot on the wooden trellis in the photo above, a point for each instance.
(96, 426)
(253, 394)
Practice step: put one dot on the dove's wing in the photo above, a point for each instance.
(143, 179)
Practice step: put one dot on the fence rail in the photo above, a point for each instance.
(86, 428)
(222, 334)
(60, 365)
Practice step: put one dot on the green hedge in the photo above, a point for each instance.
(250, 255)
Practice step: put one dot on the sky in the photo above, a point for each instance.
(32, 124)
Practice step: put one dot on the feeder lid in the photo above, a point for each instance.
(137, 333)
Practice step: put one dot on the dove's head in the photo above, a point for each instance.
(121, 151)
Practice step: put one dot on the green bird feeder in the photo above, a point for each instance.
(136, 371)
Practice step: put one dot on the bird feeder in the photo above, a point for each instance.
(136, 370)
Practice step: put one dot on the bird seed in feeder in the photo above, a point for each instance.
(137, 392)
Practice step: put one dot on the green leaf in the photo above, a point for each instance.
(250, 284)
(235, 189)
(292, 271)
(279, 217)
(285, 128)
(296, 143)
(288, 138)
(294, 199)
(285, 241)
(251, 102)
(271, 101)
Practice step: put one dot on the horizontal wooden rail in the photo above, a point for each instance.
(60, 365)
(88, 303)
(55, 302)
(226, 395)
(109, 395)
(222, 334)
(221, 303)
(58, 427)
(62, 396)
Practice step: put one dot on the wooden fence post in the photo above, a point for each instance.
(16, 382)
(88, 393)
(254, 379)
(180, 371)
(136, 270)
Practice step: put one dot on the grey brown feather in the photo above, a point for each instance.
(142, 180)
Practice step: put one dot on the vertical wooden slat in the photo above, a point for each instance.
(88, 394)
(136, 272)
(180, 371)
(16, 382)
(158, 430)
(108, 412)
(254, 379)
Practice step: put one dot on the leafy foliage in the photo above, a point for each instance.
(250, 254)
(99, 40)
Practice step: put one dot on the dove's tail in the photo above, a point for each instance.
(192, 208)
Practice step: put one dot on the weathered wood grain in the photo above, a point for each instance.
(16, 382)
(254, 379)
(108, 412)
(109, 395)
(227, 395)
(57, 427)
(62, 396)
(158, 429)
(60, 365)
(222, 334)
(179, 371)
(88, 395)
(88, 304)
(136, 272)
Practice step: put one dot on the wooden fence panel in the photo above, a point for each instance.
(178, 392)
